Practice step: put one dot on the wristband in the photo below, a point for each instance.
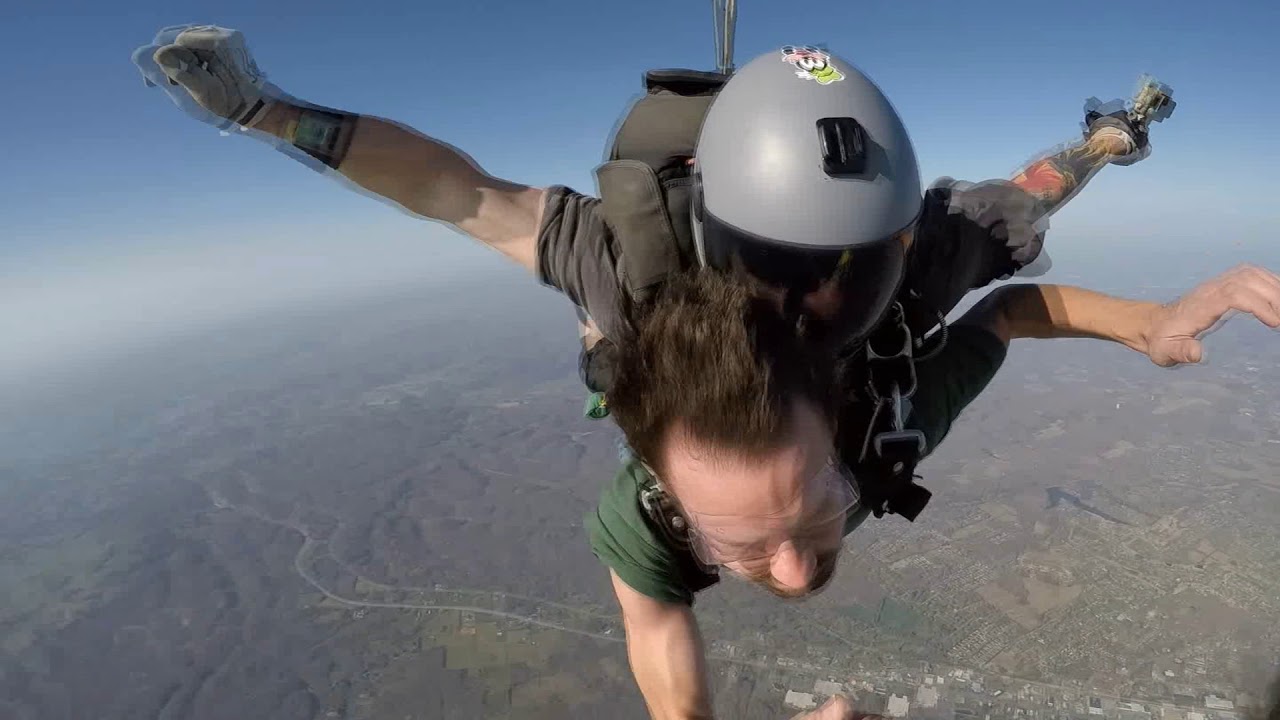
(323, 135)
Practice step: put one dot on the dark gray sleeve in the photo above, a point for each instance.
(1001, 219)
(969, 236)
(576, 255)
(948, 382)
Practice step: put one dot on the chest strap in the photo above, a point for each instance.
(890, 452)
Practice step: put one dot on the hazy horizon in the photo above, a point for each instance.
(147, 221)
(265, 433)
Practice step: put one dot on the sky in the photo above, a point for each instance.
(123, 218)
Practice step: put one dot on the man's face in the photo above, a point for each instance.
(777, 521)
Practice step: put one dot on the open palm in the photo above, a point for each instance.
(1176, 331)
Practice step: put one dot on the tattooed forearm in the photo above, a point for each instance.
(1055, 178)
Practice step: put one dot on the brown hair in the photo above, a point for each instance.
(716, 355)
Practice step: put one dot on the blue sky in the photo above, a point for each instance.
(104, 177)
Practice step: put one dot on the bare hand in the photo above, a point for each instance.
(1176, 329)
(837, 708)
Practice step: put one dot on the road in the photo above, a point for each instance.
(302, 561)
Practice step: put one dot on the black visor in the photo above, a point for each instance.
(855, 285)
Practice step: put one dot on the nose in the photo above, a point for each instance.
(793, 567)
(823, 302)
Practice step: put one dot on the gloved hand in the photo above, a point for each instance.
(969, 236)
(1004, 212)
(1108, 128)
(209, 73)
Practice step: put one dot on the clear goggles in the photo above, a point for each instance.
(819, 520)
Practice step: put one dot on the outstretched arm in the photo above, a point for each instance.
(1170, 333)
(209, 72)
(667, 658)
(1062, 311)
(428, 178)
(1056, 178)
(974, 233)
(666, 654)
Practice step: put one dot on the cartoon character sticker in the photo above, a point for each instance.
(811, 63)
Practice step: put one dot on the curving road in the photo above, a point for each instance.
(303, 557)
(300, 564)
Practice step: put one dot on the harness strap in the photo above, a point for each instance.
(890, 452)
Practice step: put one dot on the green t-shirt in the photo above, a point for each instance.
(624, 538)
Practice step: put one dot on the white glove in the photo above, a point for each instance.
(209, 73)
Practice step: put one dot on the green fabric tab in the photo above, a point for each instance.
(596, 407)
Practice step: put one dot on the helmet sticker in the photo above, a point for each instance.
(811, 63)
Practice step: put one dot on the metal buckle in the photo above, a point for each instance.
(657, 505)
(903, 448)
(894, 370)
(897, 453)
(894, 453)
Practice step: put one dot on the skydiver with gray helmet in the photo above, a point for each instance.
(795, 176)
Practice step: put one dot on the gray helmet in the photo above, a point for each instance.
(805, 178)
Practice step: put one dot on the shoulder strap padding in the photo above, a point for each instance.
(682, 81)
(663, 125)
(645, 184)
(635, 205)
